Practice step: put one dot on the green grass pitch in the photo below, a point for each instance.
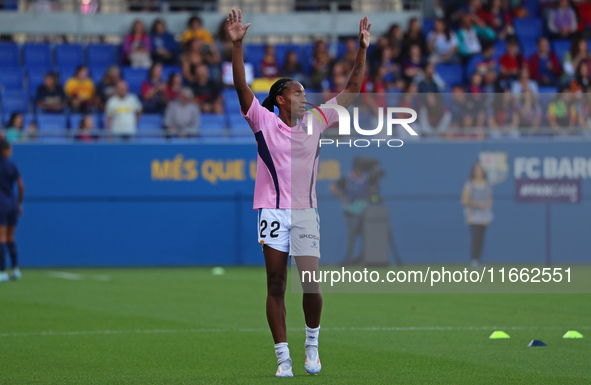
(187, 326)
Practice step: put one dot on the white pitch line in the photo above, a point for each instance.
(65, 275)
(258, 330)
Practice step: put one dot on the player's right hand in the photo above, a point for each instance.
(234, 26)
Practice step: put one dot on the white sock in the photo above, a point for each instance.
(282, 352)
(312, 336)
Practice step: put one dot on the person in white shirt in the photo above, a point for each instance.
(123, 110)
(183, 115)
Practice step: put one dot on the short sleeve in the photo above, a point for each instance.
(257, 115)
(331, 114)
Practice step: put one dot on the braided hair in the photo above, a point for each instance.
(276, 89)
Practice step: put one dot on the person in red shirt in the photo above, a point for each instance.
(512, 61)
(269, 66)
(544, 66)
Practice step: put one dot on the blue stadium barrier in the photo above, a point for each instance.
(150, 122)
(213, 122)
(69, 55)
(52, 122)
(12, 78)
(128, 204)
(9, 55)
(37, 55)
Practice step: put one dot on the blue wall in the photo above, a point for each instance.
(191, 204)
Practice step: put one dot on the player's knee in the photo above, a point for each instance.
(276, 285)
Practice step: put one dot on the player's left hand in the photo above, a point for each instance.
(364, 27)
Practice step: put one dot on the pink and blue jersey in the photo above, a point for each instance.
(287, 161)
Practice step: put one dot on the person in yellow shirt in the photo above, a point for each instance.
(195, 30)
(80, 91)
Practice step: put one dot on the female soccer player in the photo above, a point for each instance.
(285, 195)
(10, 209)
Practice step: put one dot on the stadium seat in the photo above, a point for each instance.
(528, 29)
(528, 48)
(561, 47)
(9, 55)
(36, 78)
(97, 73)
(452, 74)
(65, 73)
(12, 78)
(212, 122)
(37, 55)
(281, 51)
(168, 70)
(101, 55)
(428, 26)
(150, 122)
(69, 55)
(500, 49)
(533, 7)
(231, 102)
(52, 121)
(15, 101)
(238, 122)
(134, 78)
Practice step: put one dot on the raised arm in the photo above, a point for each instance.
(353, 86)
(236, 33)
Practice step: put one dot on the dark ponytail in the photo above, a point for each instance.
(276, 90)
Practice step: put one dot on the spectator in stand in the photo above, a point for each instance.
(182, 117)
(476, 99)
(579, 51)
(562, 20)
(413, 66)
(106, 88)
(468, 41)
(584, 14)
(85, 131)
(122, 112)
(512, 61)
(350, 53)
(395, 38)
(524, 83)
(292, 68)
(164, 47)
(80, 91)
(269, 66)
(195, 31)
(321, 63)
(429, 84)
(486, 60)
(497, 16)
(529, 113)
(153, 91)
(442, 44)
(191, 59)
(489, 82)
(338, 78)
(207, 91)
(223, 42)
(463, 112)
(393, 72)
(434, 117)
(503, 119)
(174, 86)
(413, 36)
(582, 80)
(562, 113)
(212, 58)
(14, 131)
(50, 98)
(544, 66)
(137, 47)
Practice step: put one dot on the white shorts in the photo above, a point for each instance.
(296, 231)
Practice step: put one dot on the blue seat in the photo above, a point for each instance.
(150, 122)
(69, 55)
(428, 25)
(212, 122)
(97, 73)
(528, 28)
(561, 47)
(238, 122)
(65, 73)
(12, 78)
(37, 55)
(9, 55)
(528, 48)
(102, 55)
(52, 121)
(452, 74)
(168, 70)
(15, 101)
(500, 49)
(134, 78)
(254, 54)
(36, 78)
(231, 102)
